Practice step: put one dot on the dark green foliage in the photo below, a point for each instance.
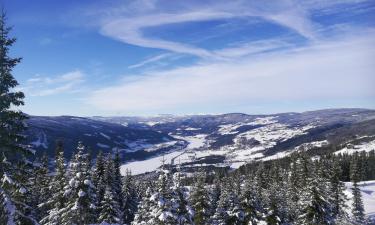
(15, 170)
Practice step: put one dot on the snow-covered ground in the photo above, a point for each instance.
(148, 165)
(41, 141)
(367, 146)
(368, 196)
(266, 136)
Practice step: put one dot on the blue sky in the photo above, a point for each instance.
(149, 57)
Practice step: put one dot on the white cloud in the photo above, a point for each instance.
(338, 69)
(129, 28)
(150, 60)
(44, 86)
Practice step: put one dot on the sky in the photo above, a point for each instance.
(149, 57)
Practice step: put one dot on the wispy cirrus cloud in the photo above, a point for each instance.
(130, 29)
(150, 60)
(310, 60)
(331, 70)
(45, 86)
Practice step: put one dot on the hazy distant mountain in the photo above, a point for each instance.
(219, 140)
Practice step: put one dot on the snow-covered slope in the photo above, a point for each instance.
(133, 143)
(368, 196)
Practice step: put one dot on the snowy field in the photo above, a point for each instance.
(358, 148)
(148, 165)
(368, 195)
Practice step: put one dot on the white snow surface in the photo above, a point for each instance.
(368, 196)
(148, 165)
(100, 145)
(41, 141)
(268, 135)
(366, 146)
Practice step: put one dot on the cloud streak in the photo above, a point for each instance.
(45, 86)
(328, 70)
(129, 29)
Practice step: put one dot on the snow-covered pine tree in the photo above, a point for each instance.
(98, 179)
(117, 183)
(276, 202)
(80, 192)
(40, 187)
(229, 210)
(357, 205)
(163, 212)
(200, 200)
(338, 196)
(214, 196)
(109, 211)
(14, 168)
(109, 206)
(181, 209)
(144, 216)
(251, 203)
(314, 204)
(57, 202)
(130, 198)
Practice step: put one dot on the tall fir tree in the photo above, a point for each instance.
(253, 212)
(200, 200)
(80, 191)
(144, 216)
(40, 187)
(180, 206)
(98, 177)
(15, 170)
(58, 200)
(130, 198)
(357, 205)
(338, 196)
(314, 203)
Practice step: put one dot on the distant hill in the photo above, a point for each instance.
(216, 140)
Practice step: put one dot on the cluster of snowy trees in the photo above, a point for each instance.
(306, 192)
(82, 193)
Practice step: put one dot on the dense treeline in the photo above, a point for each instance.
(366, 164)
(304, 192)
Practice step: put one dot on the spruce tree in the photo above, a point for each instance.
(144, 215)
(251, 203)
(40, 187)
(80, 192)
(314, 204)
(357, 205)
(109, 211)
(117, 184)
(56, 204)
(200, 201)
(98, 177)
(130, 198)
(180, 206)
(338, 196)
(14, 168)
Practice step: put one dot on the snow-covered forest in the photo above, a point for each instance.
(83, 190)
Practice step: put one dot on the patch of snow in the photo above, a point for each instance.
(195, 142)
(368, 196)
(102, 145)
(41, 141)
(105, 136)
(367, 147)
(148, 165)
(192, 128)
